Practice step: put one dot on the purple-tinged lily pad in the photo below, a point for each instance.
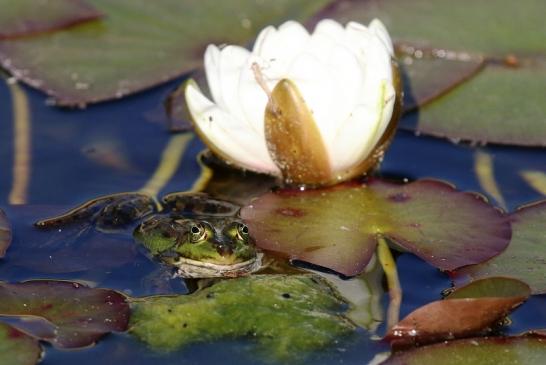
(17, 348)
(5, 233)
(525, 257)
(68, 314)
(522, 350)
(469, 311)
(337, 227)
(138, 44)
(25, 17)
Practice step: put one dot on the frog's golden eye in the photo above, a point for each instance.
(198, 233)
(242, 231)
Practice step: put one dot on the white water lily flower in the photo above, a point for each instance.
(310, 108)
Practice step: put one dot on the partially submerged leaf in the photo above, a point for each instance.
(25, 17)
(286, 315)
(139, 44)
(16, 348)
(468, 311)
(5, 233)
(76, 315)
(521, 350)
(337, 227)
(525, 257)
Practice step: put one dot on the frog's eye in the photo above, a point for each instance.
(198, 233)
(242, 231)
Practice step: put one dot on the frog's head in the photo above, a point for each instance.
(202, 247)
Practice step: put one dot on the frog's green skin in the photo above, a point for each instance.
(200, 236)
(201, 246)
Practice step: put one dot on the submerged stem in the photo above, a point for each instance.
(204, 177)
(395, 291)
(170, 159)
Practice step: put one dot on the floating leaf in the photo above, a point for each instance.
(24, 17)
(500, 105)
(16, 348)
(337, 227)
(523, 350)
(427, 77)
(469, 311)
(5, 233)
(287, 316)
(465, 25)
(525, 257)
(68, 314)
(139, 44)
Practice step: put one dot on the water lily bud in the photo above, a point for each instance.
(312, 109)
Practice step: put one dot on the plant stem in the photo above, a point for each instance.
(395, 291)
(204, 177)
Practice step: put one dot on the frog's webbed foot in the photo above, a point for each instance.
(198, 204)
(107, 213)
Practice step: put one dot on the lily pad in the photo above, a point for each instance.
(139, 44)
(67, 314)
(525, 257)
(523, 350)
(25, 17)
(427, 76)
(464, 25)
(508, 107)
(469, 311)
(5, 233)
(337, 227)
(287, 316)
(16, 348)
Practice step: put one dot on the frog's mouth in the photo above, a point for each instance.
(188, 268)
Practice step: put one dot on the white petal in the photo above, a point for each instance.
(228, 135)
(232, 60)
(377, 28)
(212, 71)
(331, 29)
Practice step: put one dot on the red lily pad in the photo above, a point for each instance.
(338, 227)
(67, 314)
(522, 350)
(469, 311)
(24, 17)
(16, 348)
(525, 257)
(138, 44)
(5, 233)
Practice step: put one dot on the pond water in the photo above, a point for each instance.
(116, 146)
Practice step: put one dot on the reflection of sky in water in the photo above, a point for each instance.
(116, 146)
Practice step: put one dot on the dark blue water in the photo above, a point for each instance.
(116, 146)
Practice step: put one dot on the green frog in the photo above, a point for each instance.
(200, 236)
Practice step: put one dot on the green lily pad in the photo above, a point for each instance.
(338, 227)
(67, 314)
(427, 76)
(469, 311)
(286, 315)
(139, 44)
(5, 233)
(523, 350)
(464, 25)
(24, 17)
(525, 257)
(16, 348)
(499, 105)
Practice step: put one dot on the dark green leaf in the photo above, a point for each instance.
(139, 44)
(5, 233)
(24, 17)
